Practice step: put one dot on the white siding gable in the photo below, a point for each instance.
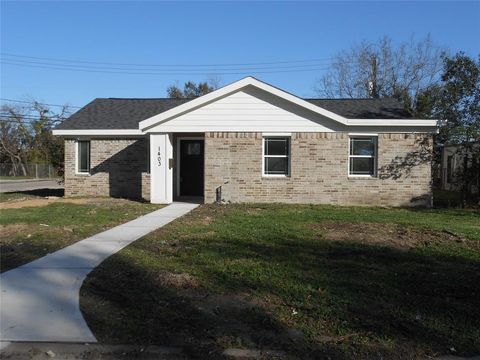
(248, 110)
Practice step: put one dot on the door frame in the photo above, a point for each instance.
(179, 140)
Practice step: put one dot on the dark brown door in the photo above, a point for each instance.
(191, 167)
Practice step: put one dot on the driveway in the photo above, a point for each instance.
(27, 185)
(40, 300)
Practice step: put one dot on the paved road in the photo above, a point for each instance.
(40, 300)
(27, 185)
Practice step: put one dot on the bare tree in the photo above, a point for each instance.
(25, 135)
(45, 147)
(14, 137)
(382, 69)
(214, 81)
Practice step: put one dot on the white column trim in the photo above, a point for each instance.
(161, 174)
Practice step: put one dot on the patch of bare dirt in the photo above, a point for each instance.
(243, 321)
(22, 203)
(207, 220)
(21, 243)
(9, 231)
(385, 234)
(178, 281)
(256, 210)
(37, 202)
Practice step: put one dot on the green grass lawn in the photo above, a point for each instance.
(32, 232)
(313, 281)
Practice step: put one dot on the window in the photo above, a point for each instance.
(83, 156)
(194, 148)
(276, 156)
(362, 157)
(450, 168)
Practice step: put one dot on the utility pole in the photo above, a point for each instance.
(373, 82)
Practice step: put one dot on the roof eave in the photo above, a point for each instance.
(98, 132)
(393, 122)
(231, 88)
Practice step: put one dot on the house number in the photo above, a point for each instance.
(159, 158)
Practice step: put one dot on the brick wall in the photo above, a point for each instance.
(119, 168)
(319, 165)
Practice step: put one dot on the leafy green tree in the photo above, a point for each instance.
(456, 101)
(460, 105)
(459, 100)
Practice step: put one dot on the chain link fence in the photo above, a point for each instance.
(27, 171)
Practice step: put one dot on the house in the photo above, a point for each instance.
(248, 142)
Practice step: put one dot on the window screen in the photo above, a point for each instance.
(362, 157)
(83, 161)
(276, 156)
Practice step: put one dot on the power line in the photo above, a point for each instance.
(167, 65)
(175, 68)
(67, 68)
(33, 102)
(32, 118)
(301, 66)
(27, 117)
(27, 122)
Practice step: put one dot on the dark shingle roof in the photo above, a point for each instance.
(112, 113)
(387, 108)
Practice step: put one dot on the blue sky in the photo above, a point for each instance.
(205, 33)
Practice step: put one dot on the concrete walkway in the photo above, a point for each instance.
(39, 301)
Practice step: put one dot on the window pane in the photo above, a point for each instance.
(276, 146)
(194, 148)
(362, 146)
(276, 166)
(449, 168)
(362, 166)
(83, 156)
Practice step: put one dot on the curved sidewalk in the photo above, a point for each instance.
(39, 301)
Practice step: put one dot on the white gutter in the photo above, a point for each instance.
(105, 132)
(392, 122)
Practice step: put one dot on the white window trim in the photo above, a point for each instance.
(374, 156)
(289, 156)
(277, 134)
(77, 172)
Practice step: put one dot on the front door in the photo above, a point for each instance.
(191, 167)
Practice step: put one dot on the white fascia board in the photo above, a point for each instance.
(392, 122)
(226, 90)
(90, 132)
(298, 101)
(250, 81)
(276, 134)
(362, 134)
(192, 104)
